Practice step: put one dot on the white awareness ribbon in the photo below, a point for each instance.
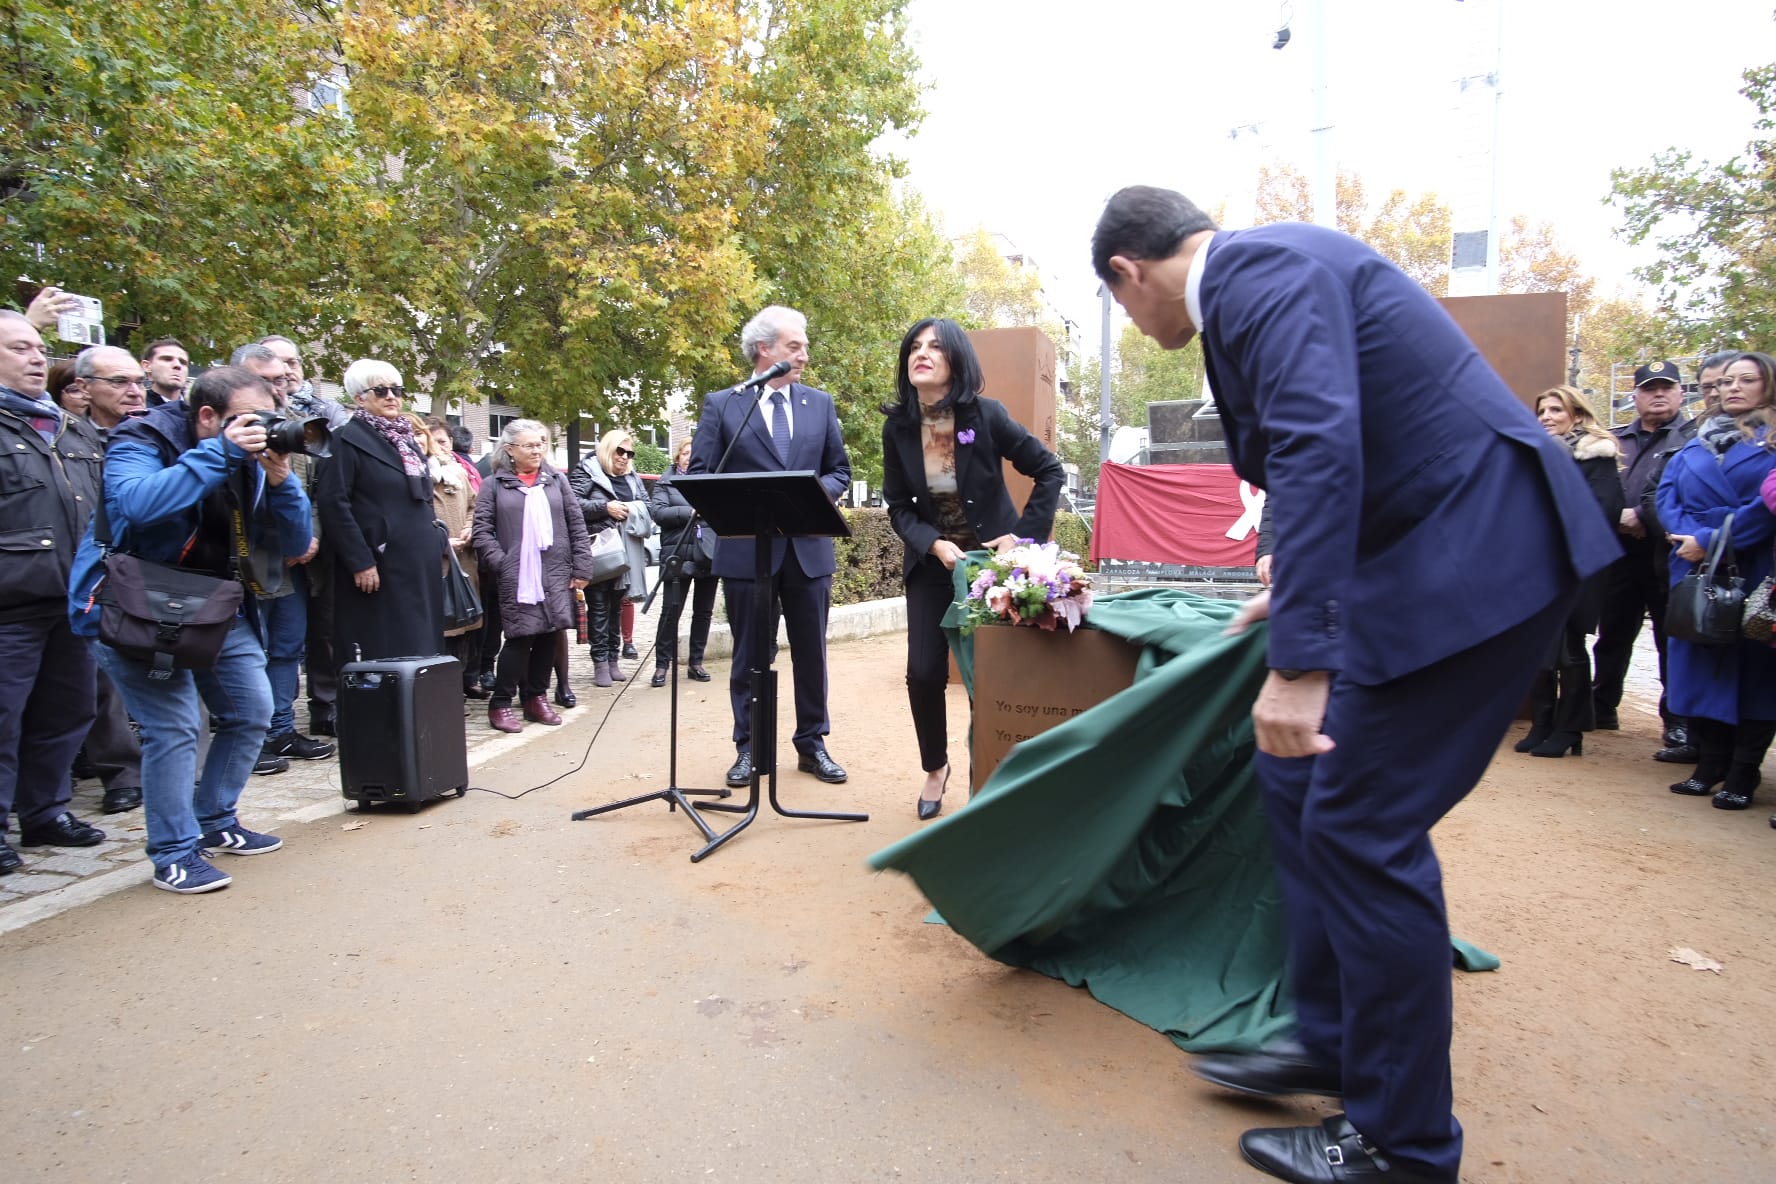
(1251, 505)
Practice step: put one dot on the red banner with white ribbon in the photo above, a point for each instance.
(1202, 515)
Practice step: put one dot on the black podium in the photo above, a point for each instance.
(765, 507)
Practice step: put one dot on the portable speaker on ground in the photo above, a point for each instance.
(401, 733)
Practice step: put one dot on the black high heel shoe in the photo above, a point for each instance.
(1534, 739)
(929, 809)
(1557, 744)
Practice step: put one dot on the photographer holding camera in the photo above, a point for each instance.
(193, 485)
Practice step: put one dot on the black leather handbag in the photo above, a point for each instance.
(462, 604)
(1708, 606)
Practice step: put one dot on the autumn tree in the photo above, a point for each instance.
(1000, 293)
(1716, 271)
(159, 157)
(824, 223)
(1141, 373)
(1414, 232)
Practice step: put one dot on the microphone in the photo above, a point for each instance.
(777, 371)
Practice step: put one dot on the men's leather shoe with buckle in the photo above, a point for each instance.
(821, 765)
(10, 860)
(64, 830)
(120, 798)
(1679, 754)
(740, 772)
(1330, 1153)
(1282, 1067)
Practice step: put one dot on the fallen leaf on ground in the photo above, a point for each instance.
(354, 826)
(1690, 957)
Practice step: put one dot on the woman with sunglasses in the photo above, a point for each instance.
(375, 500)
(613, 498)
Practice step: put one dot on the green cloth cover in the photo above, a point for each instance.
(1125, 850)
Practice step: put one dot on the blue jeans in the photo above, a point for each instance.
(286, 629)
(239, 698)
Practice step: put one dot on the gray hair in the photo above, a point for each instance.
(253, 351)
(764, 328)
(502, 454)
(271, 337)
(365, 373)
(86, 361)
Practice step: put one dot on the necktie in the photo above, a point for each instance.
(780, 428)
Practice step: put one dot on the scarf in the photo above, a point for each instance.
(449, 474)
(539, 536)
(1719, 434)
(41, 413)
(399, 433)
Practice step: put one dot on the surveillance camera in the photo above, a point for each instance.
(1282, 37)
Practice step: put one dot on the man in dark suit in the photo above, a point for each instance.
(794, 428)
(1434, 537)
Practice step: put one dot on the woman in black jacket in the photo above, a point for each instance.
(1562, 693)
(375, 500)
(690, 573)
(943, 448)
(609, 493)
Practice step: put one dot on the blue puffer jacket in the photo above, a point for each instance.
(157, 475)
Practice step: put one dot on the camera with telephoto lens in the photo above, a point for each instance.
(307, 434)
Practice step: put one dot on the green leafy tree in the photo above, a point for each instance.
(1143, 373)
(1716, 272)
(825, 227)
(158, 157)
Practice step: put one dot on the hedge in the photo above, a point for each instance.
(869, 562)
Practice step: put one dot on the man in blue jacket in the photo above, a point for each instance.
(183, 484)
(1433, 538)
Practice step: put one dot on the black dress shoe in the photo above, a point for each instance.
(474, 690)
(822, 766)
(64, 830)
(121, 798)
(1282, 1067)
(565, 697)
(1677, 736)
(740, 772)
(1679, 754)
(697, 673)
(10, 861)
(629, 651)
(322, 725)
(1693, 788)
(659, 679)
(1330, 1153)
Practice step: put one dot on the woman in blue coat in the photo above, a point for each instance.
(1728, 691)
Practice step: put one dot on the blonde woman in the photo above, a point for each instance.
(453, 502)
(612, 497)
(1562, 694)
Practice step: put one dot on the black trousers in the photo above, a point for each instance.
(466, 648)
(490, 618)
(803, 601)
(702, 612)
(47, 697)
(1632, 593)
(111, 745)
(525, 666)
(1562, 696)
(604, 619)
(929, 592)
(318, 666)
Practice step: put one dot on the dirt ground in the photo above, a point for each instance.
(487, 991)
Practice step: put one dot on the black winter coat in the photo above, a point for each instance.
(375, 515)
(499, 528)
(47, 492)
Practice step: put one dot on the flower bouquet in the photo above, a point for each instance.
(1030, 584)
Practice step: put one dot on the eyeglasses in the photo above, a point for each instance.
(121, 383)
(627, 452)
(1709, 387)
(384, 392)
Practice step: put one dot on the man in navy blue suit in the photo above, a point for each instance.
(1431, 537)
(794, 428)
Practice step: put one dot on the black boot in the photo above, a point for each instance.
(1751, 740)
(1541, 720)
(1714, 743)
